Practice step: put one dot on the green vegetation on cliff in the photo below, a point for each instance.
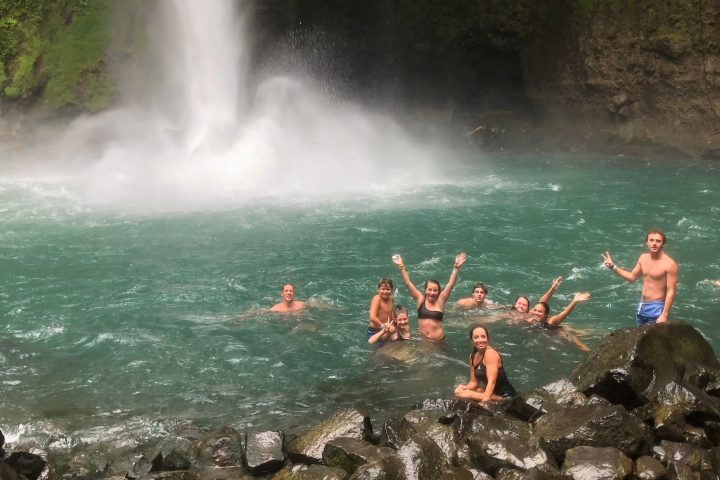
(57, 52)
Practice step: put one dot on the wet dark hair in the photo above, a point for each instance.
(385, 280)
(658, 232)
(285, 285)
(472, 329)
(512, 307)
(481, 286)
(432, 280)
(399, 309)
(546, 307)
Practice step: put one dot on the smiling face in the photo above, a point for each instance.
(479, 337)
(287, 293)
(385, 291)
(432, 290)
(402, 320)
(539, 313)
(522, 305)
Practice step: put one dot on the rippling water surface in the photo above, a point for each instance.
(119, 325)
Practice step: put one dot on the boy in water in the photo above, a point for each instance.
(381, 306)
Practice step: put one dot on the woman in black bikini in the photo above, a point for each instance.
(431, 304)
(488, 380)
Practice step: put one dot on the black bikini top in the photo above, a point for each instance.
(424, 312)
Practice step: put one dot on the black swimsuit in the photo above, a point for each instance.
(503, 387)
(424, 312)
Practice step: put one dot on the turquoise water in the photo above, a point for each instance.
(117, 325)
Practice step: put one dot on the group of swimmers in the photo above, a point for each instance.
(488, 380)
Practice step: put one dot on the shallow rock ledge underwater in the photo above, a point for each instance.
(645, 405)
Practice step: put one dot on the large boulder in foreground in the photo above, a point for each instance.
(308, 448)
(631, 366)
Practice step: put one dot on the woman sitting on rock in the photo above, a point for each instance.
(488, 380)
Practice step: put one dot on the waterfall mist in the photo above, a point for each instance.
(206, 133)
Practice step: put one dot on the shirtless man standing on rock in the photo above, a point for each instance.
(660, 274)
(288, 304)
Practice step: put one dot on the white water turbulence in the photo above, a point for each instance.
(212, 136)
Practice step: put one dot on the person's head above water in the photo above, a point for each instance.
(401, 316)
(540, 312)
(385, 281)
(522, 304)
(479, 292)
(432, 289)
(287, 292)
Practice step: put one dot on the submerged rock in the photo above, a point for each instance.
(223, 449)
(26, 465)
(308, 448)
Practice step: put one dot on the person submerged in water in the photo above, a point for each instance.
(431, 303)
(381, 307)
(397, 328)
(540, 315)
(522, 304)
(488, 380)
(288, 303)
(477, 300)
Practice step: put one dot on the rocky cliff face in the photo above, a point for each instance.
(643, 72)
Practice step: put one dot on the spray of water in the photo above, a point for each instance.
(208, 137)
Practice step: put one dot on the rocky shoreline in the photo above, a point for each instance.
(644, 405)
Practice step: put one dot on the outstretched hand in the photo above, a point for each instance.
(556, 283)
(607, 261)
(397, 259)
(716, 282)
(460, 259)
(581, 297)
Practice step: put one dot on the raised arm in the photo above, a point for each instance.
(630, 276)
(414, 292)
(672, 276)
(578, 298)
(553, 288)
(459, 260)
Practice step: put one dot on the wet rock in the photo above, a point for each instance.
(647, 468)
(619, 101)
(630, 366)
(310, 472)
(395, 432)
(27, 465)
(169, 475)
(596, 463)
(7, 473)
(263, 452)
(223, 449)
(389, 468)
(682, 456)
(530, 405)
(444, 437)
(422, 458)
(712, 432)
(508, 474)
(2, 444)
(172, 454)
(350, 423)
(351, 453)
(497, 442)
(596, 425)
(459, 473)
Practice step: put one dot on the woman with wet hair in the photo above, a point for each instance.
(431, 303)
(488, 380)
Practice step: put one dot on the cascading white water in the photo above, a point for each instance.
(206, 139)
